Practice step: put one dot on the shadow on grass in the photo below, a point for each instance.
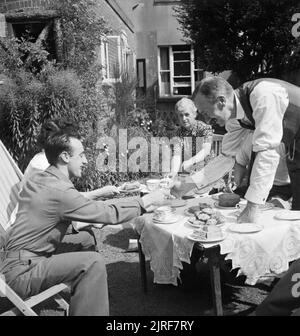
(192, 297)
(120, 239)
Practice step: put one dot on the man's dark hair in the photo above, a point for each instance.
(58, 142)
(53, 126)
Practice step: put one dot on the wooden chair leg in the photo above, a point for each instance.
(62, 303)
(16, 300)
(142, 263)
(215, 279)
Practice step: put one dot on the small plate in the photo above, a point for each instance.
(288, 215)
(124, 191)
(216, 204)
(199, 225)
(176, 203)
(199, 240)
(245, 227)
(170, 221)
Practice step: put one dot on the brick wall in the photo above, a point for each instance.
(12, 5)
(116, 23)
(105, 10)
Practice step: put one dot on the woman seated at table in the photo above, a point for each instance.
(186, 112)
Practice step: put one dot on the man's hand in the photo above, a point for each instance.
(182, 186)
(154, 199)
(109, 191)
(250, 214)
(186, 165)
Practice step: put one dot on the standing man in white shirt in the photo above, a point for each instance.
(271, 108)
(282, 184)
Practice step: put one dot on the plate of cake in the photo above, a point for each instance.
(199, 216)
(130, 187)
(207, 234)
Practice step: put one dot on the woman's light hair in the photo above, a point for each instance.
(212, 87)
(185, 103)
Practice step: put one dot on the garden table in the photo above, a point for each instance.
(257, 255)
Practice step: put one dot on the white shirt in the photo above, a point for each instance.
(269, 102)
(38, 163)
(244, 154)
(236, 134)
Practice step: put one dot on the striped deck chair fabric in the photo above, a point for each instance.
(10, 185)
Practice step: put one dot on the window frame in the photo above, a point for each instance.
(172, 83)
(123, 51)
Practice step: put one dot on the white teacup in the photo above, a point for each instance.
(153, 184)
(165, 183)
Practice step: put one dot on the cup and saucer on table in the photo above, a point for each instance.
(165, 215)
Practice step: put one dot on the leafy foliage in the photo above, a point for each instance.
(37, 88)
(251, 37)
(29, 97)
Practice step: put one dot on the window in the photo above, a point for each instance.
(179, 70)
(2, 25)
(104, 59)
(141, 75)
(33, 31)
(41, 27)
(116, 57)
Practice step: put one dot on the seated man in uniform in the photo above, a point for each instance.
(35, 257)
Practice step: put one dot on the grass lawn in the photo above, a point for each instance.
(192, 298)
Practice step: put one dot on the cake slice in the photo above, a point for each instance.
(209, 232)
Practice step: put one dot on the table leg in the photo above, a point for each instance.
(142, 262)
(215, 279)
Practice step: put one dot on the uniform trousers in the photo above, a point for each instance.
(75, 263)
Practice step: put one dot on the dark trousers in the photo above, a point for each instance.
(75, 263)
(285, 296)
(293, 164)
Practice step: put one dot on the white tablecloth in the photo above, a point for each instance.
(257, 255)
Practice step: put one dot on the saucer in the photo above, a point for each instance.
(129, 191)
(172, 220)
(201, 240)
(288, 215)
(216, 204)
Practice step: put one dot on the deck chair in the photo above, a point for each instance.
(10, 184)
